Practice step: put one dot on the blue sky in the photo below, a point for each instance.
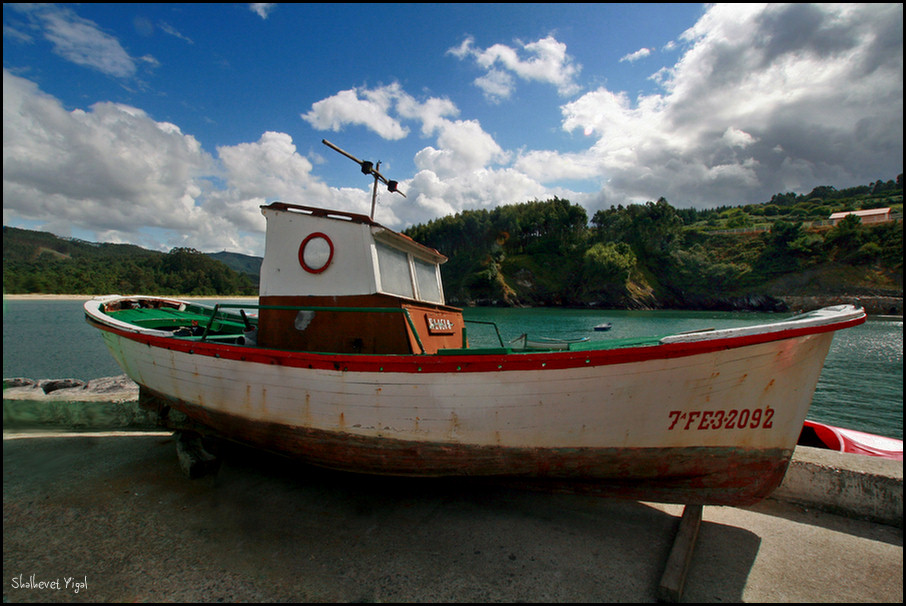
(170, 124)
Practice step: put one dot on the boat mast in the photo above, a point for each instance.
(369, 168)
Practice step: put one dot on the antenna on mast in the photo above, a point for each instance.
(369, 168)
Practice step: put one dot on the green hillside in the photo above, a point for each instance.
(39, 262)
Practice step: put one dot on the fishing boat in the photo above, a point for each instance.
(352, 360)
(604, 326)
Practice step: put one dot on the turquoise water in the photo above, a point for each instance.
(861, 386)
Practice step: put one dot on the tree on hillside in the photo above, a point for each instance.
(653, 229)
(552, 226)
(845, 238)
(787, 247)
(607, 265)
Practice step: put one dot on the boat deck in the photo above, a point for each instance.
(188, 322)
(228, 327)
(160, 318)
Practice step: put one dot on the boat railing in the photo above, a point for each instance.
(496, 330)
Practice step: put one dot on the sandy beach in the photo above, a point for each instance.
(87, 297)
(47, 297)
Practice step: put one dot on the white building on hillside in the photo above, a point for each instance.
(874, 215)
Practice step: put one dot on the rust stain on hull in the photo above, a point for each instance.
(688, 475)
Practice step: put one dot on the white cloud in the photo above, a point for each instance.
(737, 138)
(432, 113)
(172, 31)
(114, 172)
(462, 144)
(463, 147)
(496, 84)
(639, 54)
(346, 107)
(766, 98)
(461, 170)
(111, 167)
(548, 166)
(12, 32)
(262, 9)
(244, 163)
(80, 40)
(434, 196)
(547, 62)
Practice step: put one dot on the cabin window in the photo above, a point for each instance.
(426, 278)
(394, 267)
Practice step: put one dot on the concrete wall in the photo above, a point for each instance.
(846, 484)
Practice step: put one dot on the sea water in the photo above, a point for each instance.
(861, 386)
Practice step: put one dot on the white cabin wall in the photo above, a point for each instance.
(349, 272)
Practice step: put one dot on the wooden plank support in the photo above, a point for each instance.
(674, 579)
(194, 460)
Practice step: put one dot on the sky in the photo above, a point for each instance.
(168, 125)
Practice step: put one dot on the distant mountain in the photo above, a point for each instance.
(244, 264)
(40, 262)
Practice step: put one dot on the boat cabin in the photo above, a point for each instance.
(338, 282)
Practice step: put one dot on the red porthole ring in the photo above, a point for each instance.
(315, 253)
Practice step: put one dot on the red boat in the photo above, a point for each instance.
(850, 441)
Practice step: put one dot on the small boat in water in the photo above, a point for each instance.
(603, 326)
(822, 435)
(352, 360)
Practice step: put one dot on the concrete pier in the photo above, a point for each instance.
(93, 494)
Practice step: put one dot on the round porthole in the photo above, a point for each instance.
(315, 253)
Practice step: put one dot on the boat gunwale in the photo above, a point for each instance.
(482, 360)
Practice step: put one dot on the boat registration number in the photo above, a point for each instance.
(722, 419)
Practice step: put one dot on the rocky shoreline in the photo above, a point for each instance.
(107, 403)
(875, 306)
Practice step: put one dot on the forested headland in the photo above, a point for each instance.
(550, 253)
